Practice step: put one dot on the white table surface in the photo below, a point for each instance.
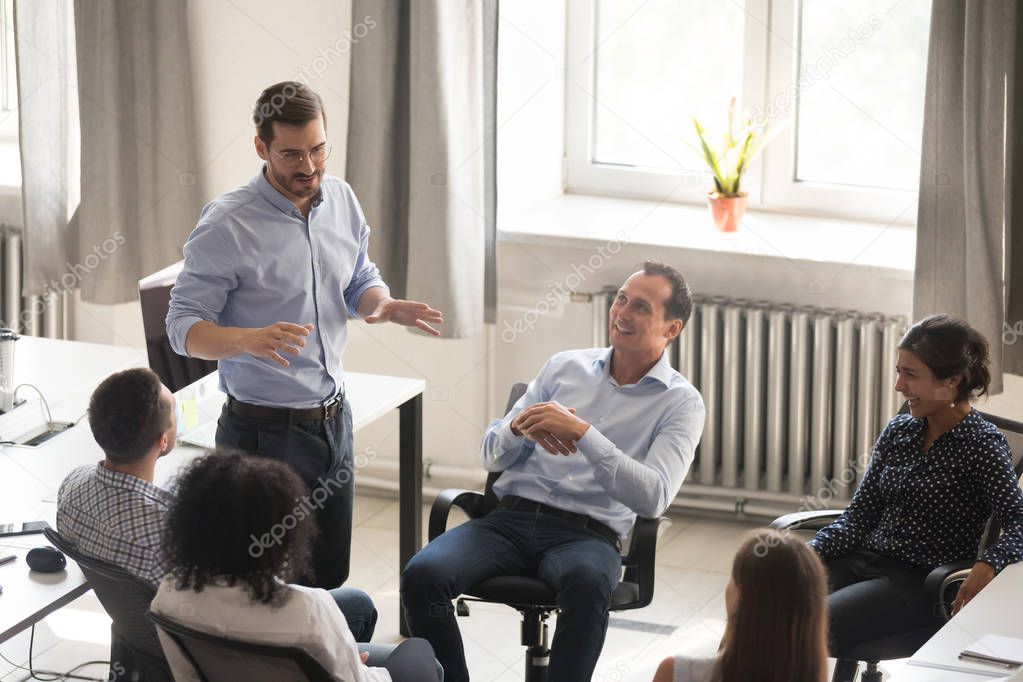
(998, 609)
(67, 372)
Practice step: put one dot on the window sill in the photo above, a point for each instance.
(571, 219)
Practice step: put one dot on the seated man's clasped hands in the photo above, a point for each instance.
(600, 436)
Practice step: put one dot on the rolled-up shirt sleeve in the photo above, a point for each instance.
(203, 286)
(648, 485)
(365, 274)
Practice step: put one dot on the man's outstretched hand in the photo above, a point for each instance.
(408, 313)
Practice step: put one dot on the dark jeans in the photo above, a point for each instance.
(357, 608)
(873, 597)
(581, 566)
(320, 452)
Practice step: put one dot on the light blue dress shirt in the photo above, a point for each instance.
(254, 260)
(633, 458)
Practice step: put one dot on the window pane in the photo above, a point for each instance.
(861, 103)
(659, 62)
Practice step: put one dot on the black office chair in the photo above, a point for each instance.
(532, 597)
(135, 652)
(221, 659)
(174, 370)
(943, 582)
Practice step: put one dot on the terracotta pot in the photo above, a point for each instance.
(727, 212)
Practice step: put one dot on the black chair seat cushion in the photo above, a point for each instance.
(902, 645)
(528, 592)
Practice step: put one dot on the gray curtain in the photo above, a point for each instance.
(969, 258)
(49, 139)
(140, 191)
(421, 151)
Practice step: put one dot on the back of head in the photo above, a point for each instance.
(948, 345)
(237, 518)
(778, 630)
(127, 414)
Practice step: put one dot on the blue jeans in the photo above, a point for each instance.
(358, 610)
(581, 566)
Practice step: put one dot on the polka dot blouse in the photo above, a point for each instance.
(929, 510)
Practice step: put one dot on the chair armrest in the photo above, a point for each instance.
(941, 578)
(641, 560)
(469, 501)
(809, 520)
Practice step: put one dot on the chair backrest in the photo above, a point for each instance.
(125, 598)
(174, 371)
(489, 499)
(221, 659)
(1013, 432)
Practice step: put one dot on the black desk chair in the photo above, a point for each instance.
(174, 370)
(135, 651)
(532, 597)
(943, 582)
(221, 659)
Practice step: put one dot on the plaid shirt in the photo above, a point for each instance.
(115, 517)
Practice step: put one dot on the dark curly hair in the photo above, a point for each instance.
(948, 345)
(235, 518)
(127, 414)
(679, 305)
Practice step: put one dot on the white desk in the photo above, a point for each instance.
(67, 372)
(998, 609)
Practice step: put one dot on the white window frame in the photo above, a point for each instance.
(8, 75)
(769, 66)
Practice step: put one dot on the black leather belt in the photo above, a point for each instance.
(516, 503)
(280, 414)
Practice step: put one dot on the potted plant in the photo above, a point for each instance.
(727, 164)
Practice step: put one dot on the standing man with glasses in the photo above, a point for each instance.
(272, 273)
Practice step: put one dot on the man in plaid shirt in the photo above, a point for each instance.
(112, 510)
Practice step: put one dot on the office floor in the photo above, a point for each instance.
(687, 616)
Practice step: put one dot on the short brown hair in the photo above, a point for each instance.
(679, 305)
(288, 102)
(127, 415)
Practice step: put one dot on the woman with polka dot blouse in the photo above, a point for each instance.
(935, 476)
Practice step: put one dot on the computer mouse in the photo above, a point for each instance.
(45, 560)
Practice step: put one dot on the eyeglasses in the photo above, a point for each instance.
(293, 158)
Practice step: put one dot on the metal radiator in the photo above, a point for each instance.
(795, 399)
(40, 315)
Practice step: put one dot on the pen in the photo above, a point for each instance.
(993, 660)
(8, 559)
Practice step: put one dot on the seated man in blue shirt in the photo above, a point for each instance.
(602, 434)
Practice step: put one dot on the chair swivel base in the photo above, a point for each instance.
(534, 638)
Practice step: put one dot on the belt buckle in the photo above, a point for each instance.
(326, 407)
